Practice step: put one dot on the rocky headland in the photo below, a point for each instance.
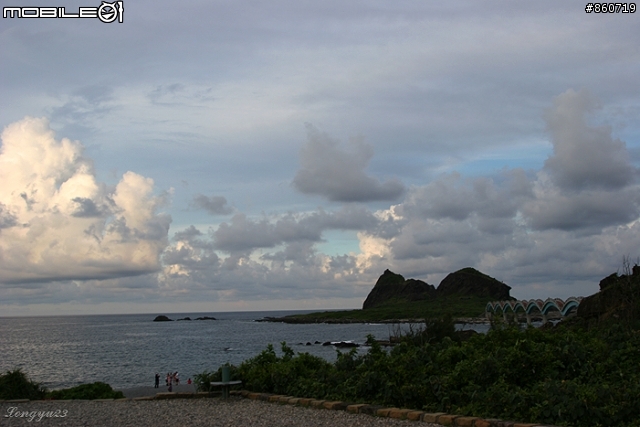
(395, 299)
(163, 318)
(618, 298)
(467, 282)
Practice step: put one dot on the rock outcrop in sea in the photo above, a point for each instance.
(392, 287)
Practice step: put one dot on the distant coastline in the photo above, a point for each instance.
(318, 318)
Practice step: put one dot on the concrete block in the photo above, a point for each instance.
(415, 415)
(399, 413)
(355, 409)
(384, 412)
(431, 417)
(447, 419)
(465, 421)
(304, 401)
(369, 409)
(332, 405)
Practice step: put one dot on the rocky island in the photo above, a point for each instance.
(395, 299)
(163, 318)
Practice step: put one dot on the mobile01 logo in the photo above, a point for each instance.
(106, 12)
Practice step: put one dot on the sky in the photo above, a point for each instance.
(242, 155)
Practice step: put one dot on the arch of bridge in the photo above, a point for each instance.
(531, 306)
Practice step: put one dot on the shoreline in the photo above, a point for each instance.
(331, 321)
(150, 391)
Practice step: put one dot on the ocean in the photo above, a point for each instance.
(127, 350)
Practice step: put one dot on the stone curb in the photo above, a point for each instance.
(381, 411)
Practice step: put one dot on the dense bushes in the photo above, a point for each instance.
(16, 385)
(97, 390)
(572, 377)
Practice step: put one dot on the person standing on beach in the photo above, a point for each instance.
(157, 384)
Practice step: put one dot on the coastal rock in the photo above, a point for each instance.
(391, 286)
(619, 297)
(162, 318)
(186, 318)
(206, 318)
(471, 282)
(345, 344)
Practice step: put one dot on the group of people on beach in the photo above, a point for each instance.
(172, 378)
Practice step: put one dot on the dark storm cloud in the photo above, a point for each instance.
(87, 208)
(590, 181)
(245, 234)
(585, 156)
(591, 209)
(215, 205)
(7, 219)
(455, 197)
(328, 170)
(189, 235)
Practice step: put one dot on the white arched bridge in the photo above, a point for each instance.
(534, 307)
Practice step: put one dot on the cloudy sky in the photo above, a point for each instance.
(243, 155)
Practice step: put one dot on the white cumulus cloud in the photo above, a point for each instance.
(58, 223)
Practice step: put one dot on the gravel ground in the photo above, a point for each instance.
(151, 391)
(233, 412)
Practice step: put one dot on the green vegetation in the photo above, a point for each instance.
(16, 385)
(568, 376)
(454, 306)
(203, 381)
(97, 390)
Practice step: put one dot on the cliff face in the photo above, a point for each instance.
(470, 281)
(619, 297)
(465, 282)
(394, 286)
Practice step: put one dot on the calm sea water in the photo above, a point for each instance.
(127, 350)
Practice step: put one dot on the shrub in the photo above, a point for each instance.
(16, 385)
(97, 390)
(564, 376)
